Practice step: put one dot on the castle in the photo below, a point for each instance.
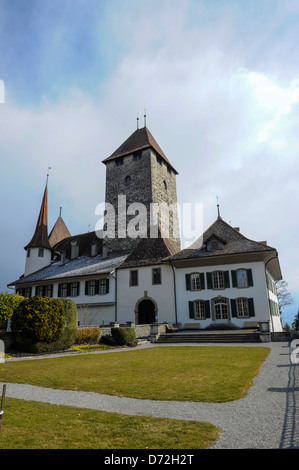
(223, 280)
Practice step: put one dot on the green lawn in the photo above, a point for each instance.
(30, 425)
(187, 373)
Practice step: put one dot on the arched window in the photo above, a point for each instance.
(220, 308)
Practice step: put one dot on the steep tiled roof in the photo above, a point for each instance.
(149, 251)
(59, 232)
(84, 241)
(233, 243)
(139, 140)
(79, 267)
(40, 238)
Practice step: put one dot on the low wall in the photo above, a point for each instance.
(284, 336)
(141, 331)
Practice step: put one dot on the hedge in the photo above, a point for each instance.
(43, 324)
(123, 335)
(88, 336)
(8, 303)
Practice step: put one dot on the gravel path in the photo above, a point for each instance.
(267, 418)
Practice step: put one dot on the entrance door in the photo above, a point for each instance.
(146, 312)
(221, 310)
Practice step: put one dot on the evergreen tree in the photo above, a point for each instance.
(295, 324)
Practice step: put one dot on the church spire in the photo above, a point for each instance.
(40, 238)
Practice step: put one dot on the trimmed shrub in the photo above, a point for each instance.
(37, 319)
(44, 325)
(88, 336)
(123, 335)
(8, 303)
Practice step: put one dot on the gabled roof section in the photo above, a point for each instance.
(40, 238)
(234, 243)
(59, 232)
(149, 251)
(84, 241)
(140, 139)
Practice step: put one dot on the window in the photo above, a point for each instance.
(195, 281)
(27, 292)
(40, 252)
(214, 245)
(119, 161)
(91, 287)
(242, 308)
(242, 278)
(127, 179)
(74, 289)
(28, 252)
(169, 169)
(97, 287)
(134, 278)
(137, 156)
(156, 276)
(64, 290)
(218, 280)
(39, 291)
(49, 290)
(102, 286)
(159, 160)
(221, 309)
(199, 310)
(165, 184)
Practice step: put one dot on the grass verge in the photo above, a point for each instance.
(30, 425)
(185, 373)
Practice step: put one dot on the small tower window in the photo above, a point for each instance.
(40, 252)
(165, 184)
(128, 179)
(119, 161)
(137, 156)
(28, 252)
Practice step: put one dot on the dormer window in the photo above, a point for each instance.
(74, 249)
(214, 244)
(94, 249)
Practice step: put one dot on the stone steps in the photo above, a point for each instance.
(238, 336)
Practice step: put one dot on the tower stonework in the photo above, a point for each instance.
(139, 172)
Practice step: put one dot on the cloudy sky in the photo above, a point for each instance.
(219, 80)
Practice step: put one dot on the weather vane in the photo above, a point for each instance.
(49, 168)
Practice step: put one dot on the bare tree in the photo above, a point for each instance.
(284, 297)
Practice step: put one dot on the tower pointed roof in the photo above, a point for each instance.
(59, 232)
(40, 238)
(140, 139)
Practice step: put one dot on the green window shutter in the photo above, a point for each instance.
(78, 288)
(59, 290)
(207, 309)
(209, 281)
(234, 278)
(188, 282)
(226, 279)
(86, 287)
(202, 281)
(249, 277)
(251, 308)
(191, 309)
(36, 290)
(233, 304)
(107, 285)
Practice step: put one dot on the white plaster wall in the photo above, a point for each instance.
(162, 294)
(258, 292)
(35, 263)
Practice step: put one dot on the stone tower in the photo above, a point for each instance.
(139, 172)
